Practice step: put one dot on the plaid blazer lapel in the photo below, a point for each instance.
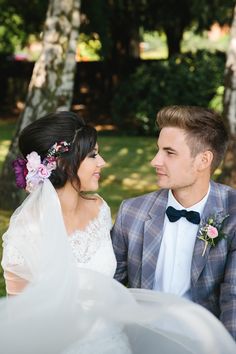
(153, 232)
(214, 204)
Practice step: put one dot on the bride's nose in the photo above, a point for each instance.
(100, 161)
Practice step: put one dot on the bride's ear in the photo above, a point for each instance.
(205, 159)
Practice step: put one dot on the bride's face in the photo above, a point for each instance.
(90, 170)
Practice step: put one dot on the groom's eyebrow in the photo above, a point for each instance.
(168, 148)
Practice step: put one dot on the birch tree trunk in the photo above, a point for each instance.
(229, 112)
(230, 80)
(51, 85)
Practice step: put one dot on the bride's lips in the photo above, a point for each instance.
(97, 175)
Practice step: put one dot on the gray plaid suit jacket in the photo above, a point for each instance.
(137, 236)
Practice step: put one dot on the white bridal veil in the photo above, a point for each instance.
(62, 304)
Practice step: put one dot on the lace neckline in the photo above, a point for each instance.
(92, 222)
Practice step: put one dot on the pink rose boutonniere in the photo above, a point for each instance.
(211, 231)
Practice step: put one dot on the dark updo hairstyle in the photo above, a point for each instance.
(53, 128)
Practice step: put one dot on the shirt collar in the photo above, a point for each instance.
(196, 207)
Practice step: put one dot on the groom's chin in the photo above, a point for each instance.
(162, 182)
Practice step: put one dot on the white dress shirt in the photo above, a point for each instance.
(173, 269)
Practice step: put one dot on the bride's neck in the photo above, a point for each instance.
(70, 199)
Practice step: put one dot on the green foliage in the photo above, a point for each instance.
(191, 79)
(207, 12)
(115, 21)
(193, 42)
(19, 19)
(11, 34)
(217, 101)
(118, 24)
(95, 19)
(88, 48)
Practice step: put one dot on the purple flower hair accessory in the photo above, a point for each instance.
(19, 167)
(30, 172)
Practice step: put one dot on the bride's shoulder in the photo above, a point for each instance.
(101, 204)
(99, 200)
(103, 211)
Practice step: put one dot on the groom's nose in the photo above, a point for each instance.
(156, 161)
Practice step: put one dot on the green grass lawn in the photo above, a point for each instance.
(128, 172)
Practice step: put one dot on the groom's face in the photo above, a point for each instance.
(174, 165)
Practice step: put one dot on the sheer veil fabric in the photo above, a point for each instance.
(62, 306)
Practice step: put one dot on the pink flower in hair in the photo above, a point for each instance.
(43, 171)
(37, 172)
(50, 163)
(33, 161)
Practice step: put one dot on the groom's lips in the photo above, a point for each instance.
(160, 173)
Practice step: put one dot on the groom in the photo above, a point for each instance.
(181, 239)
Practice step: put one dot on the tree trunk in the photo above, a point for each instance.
(174, 35)
(230, 81)
(229, 111)
(51, 85)
(173, 44)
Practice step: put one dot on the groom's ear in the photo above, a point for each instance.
(205, 159)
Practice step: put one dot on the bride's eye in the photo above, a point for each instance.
(92, 154)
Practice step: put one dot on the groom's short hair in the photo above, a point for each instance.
(205, 129)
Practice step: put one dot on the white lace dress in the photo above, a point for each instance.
(92, 249)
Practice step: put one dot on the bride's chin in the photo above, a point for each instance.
(89, 189)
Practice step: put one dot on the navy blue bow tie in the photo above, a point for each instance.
(174, 215)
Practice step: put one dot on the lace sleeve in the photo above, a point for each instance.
(12, 263)
(11, 257)
(21, 241)
(16, 256)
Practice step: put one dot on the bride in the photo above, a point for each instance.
(58, 260)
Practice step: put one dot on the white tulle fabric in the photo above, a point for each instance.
(69, 309)
(91, 247)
